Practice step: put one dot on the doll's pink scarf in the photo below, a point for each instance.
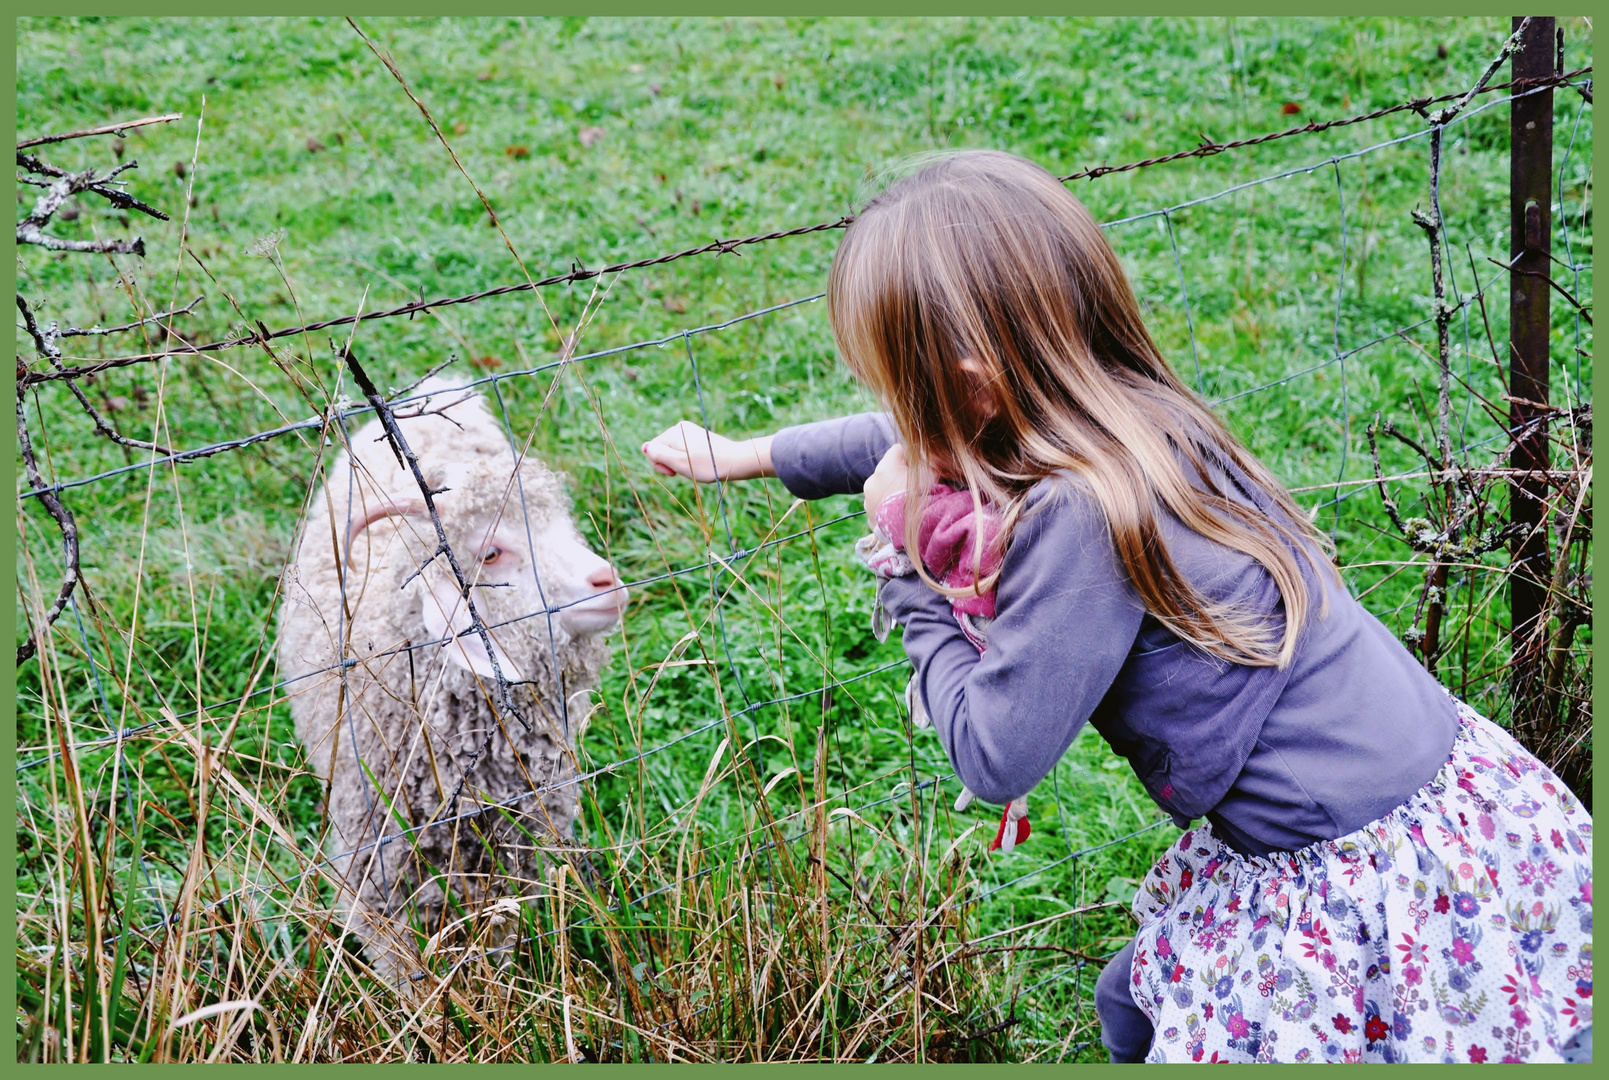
(946, 539)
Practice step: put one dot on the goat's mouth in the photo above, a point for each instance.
(598, 612)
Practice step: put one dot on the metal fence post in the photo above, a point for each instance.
(1530, 201)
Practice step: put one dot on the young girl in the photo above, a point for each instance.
(1382, 874)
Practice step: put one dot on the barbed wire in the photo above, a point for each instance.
(723, 247)
(344, 413)
(348, 410)
(1420, 105)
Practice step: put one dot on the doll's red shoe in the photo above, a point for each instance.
(1000, 834)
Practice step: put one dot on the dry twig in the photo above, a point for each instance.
(105, 129)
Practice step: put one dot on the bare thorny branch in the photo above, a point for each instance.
(1464, 521)
(45, 342)
(1569, 297)
(161, 316)
(69, 538)
(1453, 506)
(59, 186)
(62, 186)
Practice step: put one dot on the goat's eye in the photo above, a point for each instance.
(490, 555)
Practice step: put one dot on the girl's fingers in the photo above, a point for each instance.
(664, 459)
(670, 452)
(887, 478)
(1013, 822)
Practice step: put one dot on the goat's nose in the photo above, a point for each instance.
(603, 597)
(606, 579)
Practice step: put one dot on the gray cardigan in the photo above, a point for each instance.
(1275, 758)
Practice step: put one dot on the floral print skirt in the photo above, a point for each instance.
(1456, 928)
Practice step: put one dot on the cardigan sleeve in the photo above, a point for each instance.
(1066, 618)
(831, 457)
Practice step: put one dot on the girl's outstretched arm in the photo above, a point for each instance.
(830, 457)
(686, 449)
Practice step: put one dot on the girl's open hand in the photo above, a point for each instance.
(888, 479)
(686, 449)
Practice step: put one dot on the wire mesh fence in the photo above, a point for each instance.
(738, 846)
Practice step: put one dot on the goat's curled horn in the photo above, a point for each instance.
(377, 512)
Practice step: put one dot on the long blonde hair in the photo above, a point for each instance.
(985, 256)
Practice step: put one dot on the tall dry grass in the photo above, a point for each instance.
(814, 936)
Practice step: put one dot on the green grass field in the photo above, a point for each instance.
(303, 184)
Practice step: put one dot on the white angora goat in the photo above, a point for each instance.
(417, 717)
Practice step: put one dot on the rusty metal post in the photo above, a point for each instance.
(1530, 201)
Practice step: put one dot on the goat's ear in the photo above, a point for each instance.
(445, 608)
